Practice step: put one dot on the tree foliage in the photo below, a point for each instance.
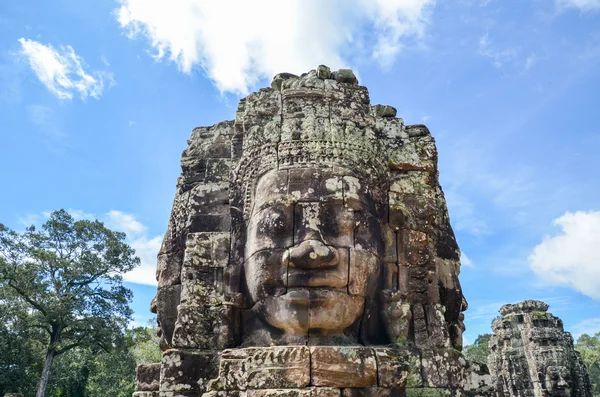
(68, 279)
(589, 347)
(21, 352)
(479, 350)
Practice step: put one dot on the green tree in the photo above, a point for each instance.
(113, 374)
(20, 351)
(145, 348)
(479, 350)
(69, 275)
(589, 347)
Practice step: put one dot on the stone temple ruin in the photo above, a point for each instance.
(309, 253)
(531, 354)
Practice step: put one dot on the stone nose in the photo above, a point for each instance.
(312, 254)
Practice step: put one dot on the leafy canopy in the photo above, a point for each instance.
(589, 347)
(69, 274)
(479, 350)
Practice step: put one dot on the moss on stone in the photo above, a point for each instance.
(427, 392)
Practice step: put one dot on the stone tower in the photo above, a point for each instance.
(309, 253)
(532, 356)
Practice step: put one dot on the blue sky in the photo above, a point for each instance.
(98, 98)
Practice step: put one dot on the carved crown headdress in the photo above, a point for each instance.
(316, 120)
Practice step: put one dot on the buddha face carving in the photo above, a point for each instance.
(557, 381)
(312, 253)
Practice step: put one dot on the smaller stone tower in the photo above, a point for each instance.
(532, 356)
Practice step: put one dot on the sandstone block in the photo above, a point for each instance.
(323, 72)
(276, 367)
(443, 368)
(146, 394)
(266, 274)
(334, 222)
(270, 228)
(384, 111)
(187, 370)
(330, 366)
(373, 392)
(179, 394)
(167, 272)
(210, 223)
(397, 315)
(205, 327)
(167, 299)
(345, 76)
(306, 392)
(392, 367)
(427, 392)
(147, 377)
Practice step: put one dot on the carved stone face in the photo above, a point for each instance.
(312, 253)
(557, 381)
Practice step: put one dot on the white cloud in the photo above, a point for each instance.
(61, 70)
(499, 57)
(583, 5)
(484, 312)
(238, 42)
(146, 247)
(465, 341)
(590, 326)
(529, 62)
(571, 258)
(465, 260)
(125, 222)
(30, 219)
(79, 214)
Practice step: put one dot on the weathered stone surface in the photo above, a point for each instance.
(146, 394)
(306, 392)
(147, 377)
(392, 367)
(531, 354)
(428, 392)
(345, 76)
(373, 392)
(264, 368)
(167, 299)
(187, 370)
(384, 111)
(205, 327)
(443, 368)
(330, 366)
(312, 229)
(478, 381)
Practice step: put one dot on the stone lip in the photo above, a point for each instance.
(526, 306)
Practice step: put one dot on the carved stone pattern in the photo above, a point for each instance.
(531, 354)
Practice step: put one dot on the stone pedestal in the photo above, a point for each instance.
(338, 371)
